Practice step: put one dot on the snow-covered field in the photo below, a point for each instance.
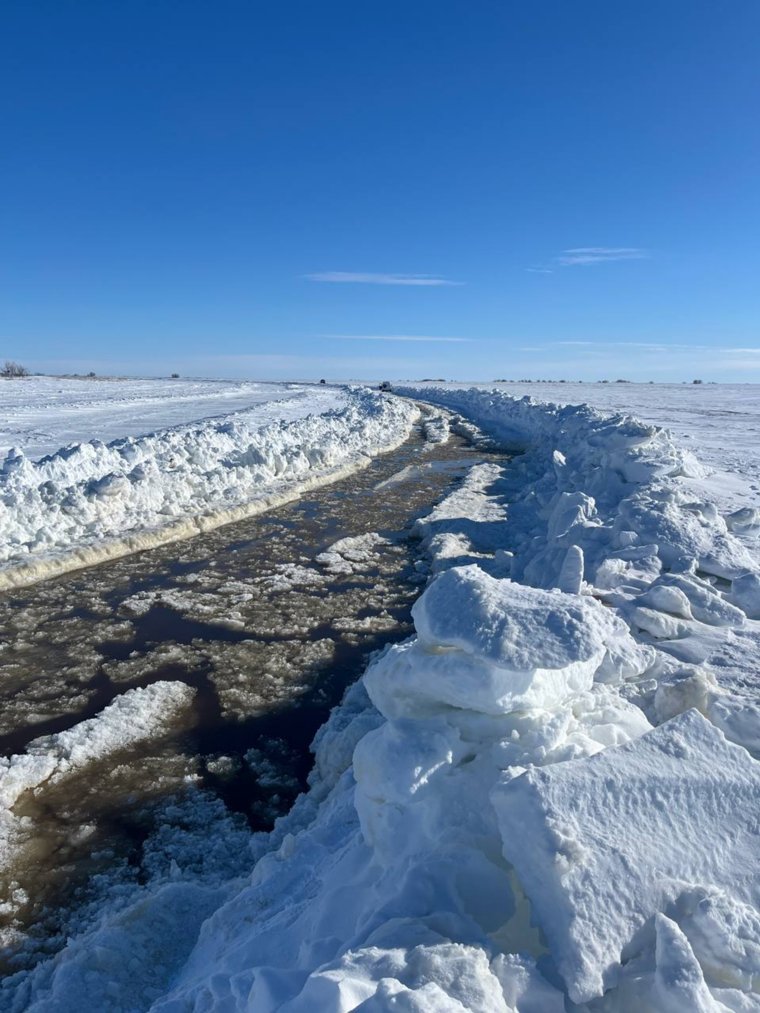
(545, 800)
(720, 423)
(42, 414)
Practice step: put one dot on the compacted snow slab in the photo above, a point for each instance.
(493, 646)
(603, 844)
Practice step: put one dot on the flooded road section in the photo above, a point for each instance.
(267, 621)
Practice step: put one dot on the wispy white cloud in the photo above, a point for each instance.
(371, 278)
(652, 345)
(392, 337)
(665, 346)
(583, 255)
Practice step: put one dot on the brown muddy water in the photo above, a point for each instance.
(269, 619)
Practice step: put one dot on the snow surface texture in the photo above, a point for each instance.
(719, 422)
(585, 867)
(93, 501)
(547, 799)
(41, 414)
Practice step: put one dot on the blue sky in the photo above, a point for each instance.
(460, 189)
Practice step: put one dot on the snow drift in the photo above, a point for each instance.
(93, 501)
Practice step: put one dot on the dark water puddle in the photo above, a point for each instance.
(161, 623)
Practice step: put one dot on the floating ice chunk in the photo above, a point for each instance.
(289, 575)
(436, 428)
(470, 513)
(135, 715)
(603, 844)
(353, 554)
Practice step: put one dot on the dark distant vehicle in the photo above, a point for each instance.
(385, 385)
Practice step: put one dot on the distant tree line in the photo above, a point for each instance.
(13, 369)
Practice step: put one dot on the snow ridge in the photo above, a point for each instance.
(601, 483)
(94, 501)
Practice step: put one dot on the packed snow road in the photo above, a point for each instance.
(143, 697)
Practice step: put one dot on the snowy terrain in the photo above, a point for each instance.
(718, 422)
(91, 500)
(546, 799)
(42, 414)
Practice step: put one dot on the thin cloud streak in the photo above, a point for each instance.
(370, 278)
(393, 337)
(584, 255)
(657, 346)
